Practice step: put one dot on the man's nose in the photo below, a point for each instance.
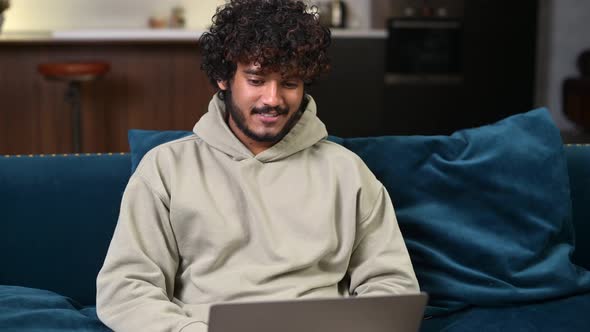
(272, 95)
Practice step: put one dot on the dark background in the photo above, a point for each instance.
(498, 79)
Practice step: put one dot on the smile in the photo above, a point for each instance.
(269, 115)
(269, 118)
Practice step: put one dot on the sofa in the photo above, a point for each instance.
(496, 219)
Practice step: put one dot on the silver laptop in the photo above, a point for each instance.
(399, 313)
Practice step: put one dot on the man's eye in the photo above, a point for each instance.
(255, 82)
(291, 85)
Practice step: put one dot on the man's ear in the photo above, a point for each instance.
(222, 85)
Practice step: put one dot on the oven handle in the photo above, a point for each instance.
(425, 24)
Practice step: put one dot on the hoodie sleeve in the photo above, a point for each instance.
(380, 263)
(136, 283)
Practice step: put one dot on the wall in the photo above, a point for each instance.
(92, 14)
(563, 34)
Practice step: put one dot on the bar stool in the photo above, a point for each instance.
(74, 73)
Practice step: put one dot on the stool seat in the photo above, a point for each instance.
(74, 74)
(73, 71)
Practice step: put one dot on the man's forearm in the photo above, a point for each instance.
(380, 263)
(135, 287)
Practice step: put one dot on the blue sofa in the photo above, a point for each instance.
(59, 213)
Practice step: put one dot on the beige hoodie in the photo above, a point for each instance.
(204, 221)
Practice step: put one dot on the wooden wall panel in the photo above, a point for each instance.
(150, 86)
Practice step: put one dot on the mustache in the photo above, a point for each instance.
(269, 109)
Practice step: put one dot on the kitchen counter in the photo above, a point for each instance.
(141, 35)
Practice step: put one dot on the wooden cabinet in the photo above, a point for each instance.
(159, 85)
(151, 85)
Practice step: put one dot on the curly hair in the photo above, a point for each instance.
(279, 35)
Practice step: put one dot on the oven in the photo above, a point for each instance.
(424, 49)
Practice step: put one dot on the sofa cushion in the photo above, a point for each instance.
(565, 314)
(26, 309)
(485, 212)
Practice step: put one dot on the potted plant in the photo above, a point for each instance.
(4, 5)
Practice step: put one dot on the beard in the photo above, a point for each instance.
(238, 117)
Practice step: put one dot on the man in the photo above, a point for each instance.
(257, 204)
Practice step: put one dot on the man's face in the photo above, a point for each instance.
(262, 106)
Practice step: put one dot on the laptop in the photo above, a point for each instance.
(396, 313)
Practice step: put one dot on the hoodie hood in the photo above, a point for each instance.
(213, 130)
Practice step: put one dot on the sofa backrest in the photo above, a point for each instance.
(59, 213)
(58, 216)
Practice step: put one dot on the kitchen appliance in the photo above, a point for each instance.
(333, 13)
(424, 50)
(424, 43)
